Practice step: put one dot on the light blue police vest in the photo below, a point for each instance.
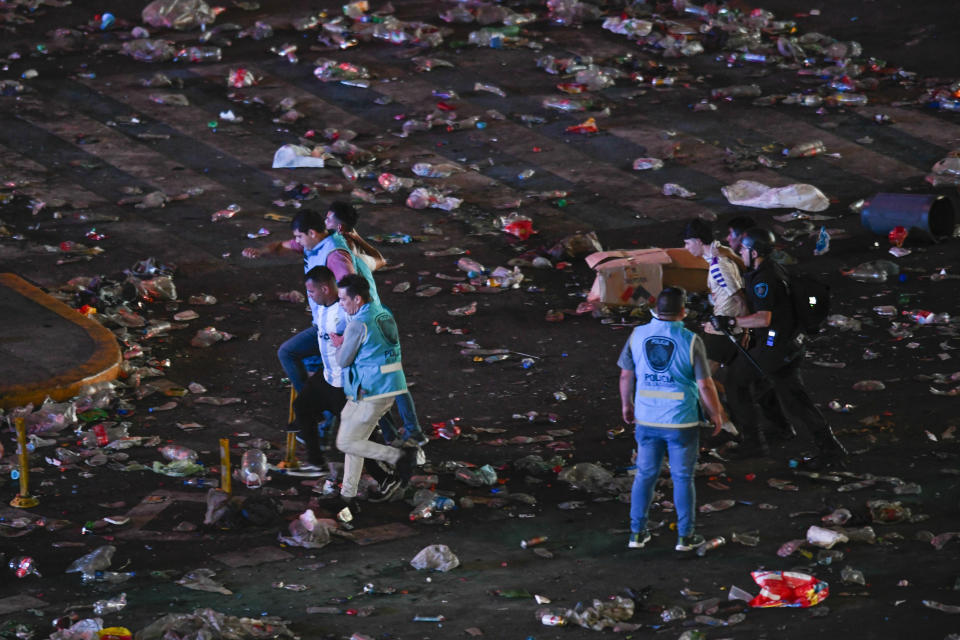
(318, 257)
(666, 387)
(377, 371)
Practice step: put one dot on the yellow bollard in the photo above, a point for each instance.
(291, 414)
(225, 475)
(290, 461)
(23, 499)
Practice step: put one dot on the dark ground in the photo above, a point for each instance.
(70, 143)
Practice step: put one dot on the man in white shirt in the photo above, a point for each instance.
(322, 392)
(726, 289)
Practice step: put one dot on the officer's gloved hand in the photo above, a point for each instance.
(723, 323)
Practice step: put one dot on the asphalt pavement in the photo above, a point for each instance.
(113, 176)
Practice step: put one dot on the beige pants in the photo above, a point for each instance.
(357, 422)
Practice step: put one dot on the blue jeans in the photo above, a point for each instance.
(682, 445)
(293, 353)
(408, 416)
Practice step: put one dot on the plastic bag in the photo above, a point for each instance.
(788, 589)
(97, 560)
(181, 15)
(294, 156)
(438, 557)
(748, 193)
(587, 476)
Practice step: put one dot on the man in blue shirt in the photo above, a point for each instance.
(664, 374)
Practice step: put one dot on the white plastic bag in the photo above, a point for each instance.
(748, 193)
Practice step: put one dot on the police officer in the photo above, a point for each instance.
(777, 349)
(664, 375)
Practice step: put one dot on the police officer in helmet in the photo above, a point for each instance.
(777, 348)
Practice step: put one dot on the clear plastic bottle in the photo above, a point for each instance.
(178, 452)
(737, 91)
(806, 149)
(713, 543)
(201, 483)
(747, 538)
(199, 54)
(847, 99)
(111, 605)
(112, 577)
(253, 468)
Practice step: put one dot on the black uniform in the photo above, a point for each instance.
(778, 349)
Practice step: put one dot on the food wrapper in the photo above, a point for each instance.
(788, 589)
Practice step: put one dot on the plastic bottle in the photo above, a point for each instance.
(199, 54)
(939, 606)
(101, 435)
(713, 543)
(392, 183)
(747, 539)
(24, 566)
(112, 605)
(737, 91)
(806, 149)
(673, 613)
(253, 468)
(530, 542)
(847, 100)
(201, 483)
(112, 577)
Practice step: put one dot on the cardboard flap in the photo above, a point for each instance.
(652, 255)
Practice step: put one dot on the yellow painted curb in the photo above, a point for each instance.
(103, 364)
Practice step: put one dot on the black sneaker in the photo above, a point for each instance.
(639, 539)
(390, 488)
(689, 543)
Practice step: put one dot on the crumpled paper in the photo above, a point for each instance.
(747, 193)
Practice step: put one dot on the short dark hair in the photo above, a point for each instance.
(308, 219)
(741, 224)
(355, 285)
(344, 213)
(699, 229)
(671, 301)
(320, 274)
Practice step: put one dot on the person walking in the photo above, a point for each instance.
(664, 375)
(373, 377)
(777, 350)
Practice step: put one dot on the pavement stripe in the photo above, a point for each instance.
(69, 161)
(135, 157)
(36, 181)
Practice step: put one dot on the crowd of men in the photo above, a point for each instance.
(753, 342)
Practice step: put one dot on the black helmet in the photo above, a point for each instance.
(758, 239)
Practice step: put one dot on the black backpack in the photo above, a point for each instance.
(811, 302)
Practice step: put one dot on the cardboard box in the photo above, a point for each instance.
(633, 277)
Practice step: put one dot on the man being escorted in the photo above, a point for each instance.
(777, 350)
(664, 374)
(373, 378)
